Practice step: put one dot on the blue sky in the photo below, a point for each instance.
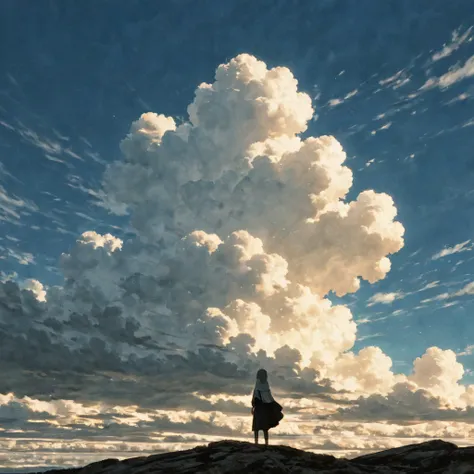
(392, 81)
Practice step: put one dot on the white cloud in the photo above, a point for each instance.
(461, 247)
(370, 162)
(386, 126)
(454, 75)
(451, 303)
(12, 207)
(439, 372)
(468, 350)
(431, 392)
(385, 298)
(8, 276)
(440, 297)
(51, 148)
(467, 289)
(23, 258)
(36, 287)
(335, 102)
(339, 101)
(460, 98)
(468, 123)
(351, 94)
(457, 40)
(428, 286)
(370, 336)
(367, 372)
(396, 81)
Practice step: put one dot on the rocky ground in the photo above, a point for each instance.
(232, 457)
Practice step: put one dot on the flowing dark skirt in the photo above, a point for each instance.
(266, 416)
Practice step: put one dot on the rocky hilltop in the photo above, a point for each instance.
(233, 457)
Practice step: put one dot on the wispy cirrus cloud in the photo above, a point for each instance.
(397, 80)
(428, 286)
(458, 248)
(390, 297)
(457, 40)
(467, 289)
(52, 149)
(23, 258)
(385, 298)
(341, 100)
(12, 207)
(451, 77)
(467, 351)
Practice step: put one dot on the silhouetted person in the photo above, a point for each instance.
(265, 410)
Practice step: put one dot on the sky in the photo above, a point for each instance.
(190, 191)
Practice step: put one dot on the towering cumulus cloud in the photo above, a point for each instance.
(242, 229)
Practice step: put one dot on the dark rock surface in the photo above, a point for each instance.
(233, 457)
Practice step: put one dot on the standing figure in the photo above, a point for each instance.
(266, 412)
